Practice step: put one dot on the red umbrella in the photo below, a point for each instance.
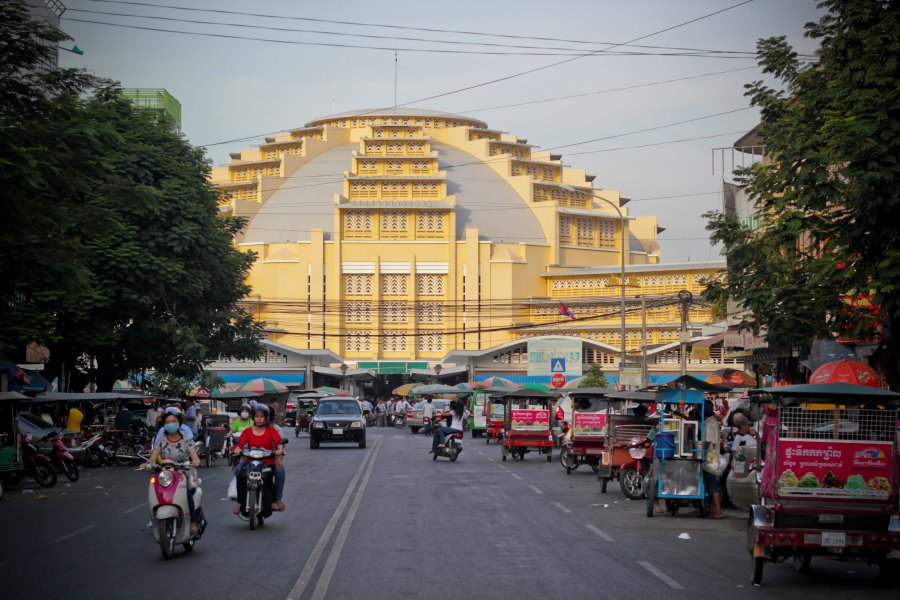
(495, 382)
(732, 378)
(846, 371)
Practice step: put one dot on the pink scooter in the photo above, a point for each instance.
(169, 512)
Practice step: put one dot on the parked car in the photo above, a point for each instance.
(415, 422)
(29, 423)
(337, 419)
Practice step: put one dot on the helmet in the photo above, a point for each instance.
(244, 407)
(174, 411)
(261, 408)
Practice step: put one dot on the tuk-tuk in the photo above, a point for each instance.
(494, 411)
(478, 423)
(305, 403)
(527, 423)
(829, 481)
(586, 436)
(10, 455)
(629, 418)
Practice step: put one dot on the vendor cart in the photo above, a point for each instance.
(829, 484)
(630, 417)
(526, 424)
(217, 429)
(586, 438)
(494, 411)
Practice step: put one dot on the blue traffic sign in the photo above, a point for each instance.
(557, 365)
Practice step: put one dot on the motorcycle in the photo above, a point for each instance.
(62, 460)
(96, 451)
(452, 447)
(399, 420)
(37, 465)
(169, 511)
(633, 476)
(256, 486)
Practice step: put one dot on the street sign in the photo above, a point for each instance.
(558, 380)
(558, 365)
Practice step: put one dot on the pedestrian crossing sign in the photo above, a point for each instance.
(557, 365)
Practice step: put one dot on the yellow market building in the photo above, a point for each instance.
(391, 241)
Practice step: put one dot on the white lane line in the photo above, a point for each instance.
(561, 507)
(335, 554)
(313, 560)
(535, 490)
(134, 508)
(602, 534)
(73, 534)
(490, 459)
(514, 475)
(665, 578)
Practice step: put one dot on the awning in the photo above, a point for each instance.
(710, 341)
(444, 371)
(335, 372)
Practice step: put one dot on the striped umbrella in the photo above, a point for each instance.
(325, 389)
(572, 384)
(405, 389)
(496, 382)
(263, 385)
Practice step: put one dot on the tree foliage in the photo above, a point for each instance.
(828, 247)
(595, 377)
(119, 260)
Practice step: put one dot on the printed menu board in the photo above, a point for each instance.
(530, 420)
(833, 468)
(588, 424)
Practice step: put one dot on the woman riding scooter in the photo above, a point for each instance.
(173, 445)
(263, 435)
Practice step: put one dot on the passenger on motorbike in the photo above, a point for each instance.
(263, 435)
(457, 417)
(242, 422)
(175, 446)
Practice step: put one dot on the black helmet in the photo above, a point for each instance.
(244, 407)
(261, 408)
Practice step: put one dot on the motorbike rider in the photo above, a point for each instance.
(263, 435)
(457, 418)
(243, 421)
(401, 408)
(184, 430)
(176, 446)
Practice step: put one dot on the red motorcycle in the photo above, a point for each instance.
(37, 465)
(63, 461)
(633, 475)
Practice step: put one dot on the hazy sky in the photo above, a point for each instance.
(235, 88)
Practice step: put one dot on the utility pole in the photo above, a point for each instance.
(685, 298)
(644, 377)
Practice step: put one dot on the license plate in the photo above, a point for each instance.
(834, 539)
(337, 431)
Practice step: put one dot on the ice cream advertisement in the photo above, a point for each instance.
(834, 469)
(588, 424)
(530, 420)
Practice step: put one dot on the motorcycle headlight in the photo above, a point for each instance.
(257, 454)
(165, 478)
(356, 424)
(318, 425)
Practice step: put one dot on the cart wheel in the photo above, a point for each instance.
(801, 562)
(672, 507)
(567, 462)
(650, 497)
(603, 483)
(631, 483)
(756, 574)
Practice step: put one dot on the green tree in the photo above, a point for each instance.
(595, 377)
(827, 193)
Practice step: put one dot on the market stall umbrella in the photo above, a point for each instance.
(572, 384)
(405, 389)
(468, 386)
(436, 389)
(332, 391)
(496, 382)
(535, 386)
(732, 378)
(124, 384)
(263, 385)
(846, 371)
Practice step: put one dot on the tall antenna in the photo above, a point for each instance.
(395, 78)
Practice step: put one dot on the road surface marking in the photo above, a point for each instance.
(535, 490)
(313, 560)
(335, 554)
(490, 459)
(603, 535)
(208, 476)
(73, 534)
(514, 475)
(134, 508)
(665, 578)
(561, 507)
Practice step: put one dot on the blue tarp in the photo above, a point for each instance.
(279, 377)
(611, 378)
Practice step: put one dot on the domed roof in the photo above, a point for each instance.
(305, 200)
(397, 111)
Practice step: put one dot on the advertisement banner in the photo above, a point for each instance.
(586, 424)
(832, 468)
(530, 420)
(541, 355)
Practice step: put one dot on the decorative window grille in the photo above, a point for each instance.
(368, 167)
(358, 312)
(374, 148)
(393, 312)
(394, 284)
(358, 220)
(425, 189)
(394, 341)
(565, 229)
(379, 133)
(541, 194)
(395, 133)
(420, 166)
(417, 147)
(393, 220)
(430, 284)
(607, 232)
(358, 284)
(358, 341)
(548, 174)
(394, 189)
(394, 166)
(585, 230)
(430, 312)
(430, 220)
(395, 148)
(363, 189)
(531, 170)
(430, 342)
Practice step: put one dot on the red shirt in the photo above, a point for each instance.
(268, 440)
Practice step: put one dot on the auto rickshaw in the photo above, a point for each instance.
(829, 483)
(306, 403)
(527, 423)
(10, 453)
(623, 426)
(494, 411)
(587, 435)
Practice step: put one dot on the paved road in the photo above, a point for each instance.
(388, 522)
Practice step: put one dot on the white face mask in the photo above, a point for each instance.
(245, 414)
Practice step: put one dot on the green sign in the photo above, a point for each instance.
(392, 368)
